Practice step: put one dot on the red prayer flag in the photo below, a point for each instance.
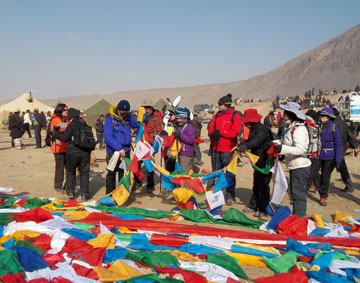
(196, 185)
(166, 240)
(37, 215)
(293, 225)
(189, 276)
(85, 272)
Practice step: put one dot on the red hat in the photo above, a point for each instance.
(251, 116)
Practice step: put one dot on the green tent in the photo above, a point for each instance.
(99, 108)
(162, 105)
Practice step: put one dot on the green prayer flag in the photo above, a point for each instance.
(157, 214)
(35, 202)
(9, 263)
(152, 278)
(233, 216)
(125, 180)
(266, 170)
(282, 263)
(227, 262)
(4, 218)
(160, 259)
(84, 226)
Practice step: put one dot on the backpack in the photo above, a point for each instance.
(313, 130)
(48, 136)
(85, 139)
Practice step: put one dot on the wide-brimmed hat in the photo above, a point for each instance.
(251, 116)
(327, 111)
(294, 108)
(147, 102)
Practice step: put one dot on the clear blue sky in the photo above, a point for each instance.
(75, 47)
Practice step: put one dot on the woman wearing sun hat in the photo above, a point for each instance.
(294, 147)
(331, 151)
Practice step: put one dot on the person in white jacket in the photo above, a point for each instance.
(294, 147)
(27, 122)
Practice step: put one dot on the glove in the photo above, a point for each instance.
(281, 157)
(177, 135)
(216, 135)
(242, 148)
(338, 164)
(277, 148)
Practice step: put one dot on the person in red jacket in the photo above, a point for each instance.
(58, 148)
(223, 131)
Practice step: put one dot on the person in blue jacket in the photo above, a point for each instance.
(331, 151)
(117, 136)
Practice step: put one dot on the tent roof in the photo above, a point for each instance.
(24, 102)
(162, 105)
(100, 107)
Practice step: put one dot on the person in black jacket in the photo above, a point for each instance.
(99, 127)
(38, 123)
(76, 157)
(260, 139)
(346, 137)
(15, 126)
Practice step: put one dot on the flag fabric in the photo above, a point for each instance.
(232, 166)
(280, 183)
(120, 195)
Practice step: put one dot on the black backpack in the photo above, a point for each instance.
(48, 134)
(85, 139)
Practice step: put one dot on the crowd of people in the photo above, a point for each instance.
(312, 144)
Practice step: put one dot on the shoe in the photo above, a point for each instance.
(323, 202)
(150, 191)
(71, 195)
(248, 210)
(229, 201)
(84, 198)
(347, 190)
(263, 216)
(60, 190)
(256, 214)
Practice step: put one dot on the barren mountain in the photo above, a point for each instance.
(334, 64)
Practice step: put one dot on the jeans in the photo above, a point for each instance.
(60, 164)
(298, 190)
(327, 166)
(219, 160)
(37, 129)
(261, 191)
(197, 153)
(80, 160)
(100, 139)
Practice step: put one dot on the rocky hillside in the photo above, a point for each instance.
(334, 64)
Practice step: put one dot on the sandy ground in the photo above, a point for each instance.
(30, 171)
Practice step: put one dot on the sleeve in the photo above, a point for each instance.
(300, 145)
(108, 134)
(337, 145)
(188, 136)
(133, 122)
(211, 125)
(351, 139)
(66, 136)
(257, 140)
(234, 130)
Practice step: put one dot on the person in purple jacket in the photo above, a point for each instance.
(185, 134)
(331, 151)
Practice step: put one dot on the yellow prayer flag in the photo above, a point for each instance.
(141, 113)
(318, 221)
(125, 230)
(120, 195)
(340, 216)
(77, 215)
(182, 195)
(180, 255)
(175, 148)
(103, 241)
(252, 157)
(244, 259)
(232, 167)
(119, 271)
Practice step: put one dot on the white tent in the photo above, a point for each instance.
(24, 102)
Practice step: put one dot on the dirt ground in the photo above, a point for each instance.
(30, 171)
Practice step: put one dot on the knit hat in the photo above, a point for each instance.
(123, 105)
(226, 100)
(294, 108)
(251, 116)
(181, 113)
(73, 113)
(327, 111)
